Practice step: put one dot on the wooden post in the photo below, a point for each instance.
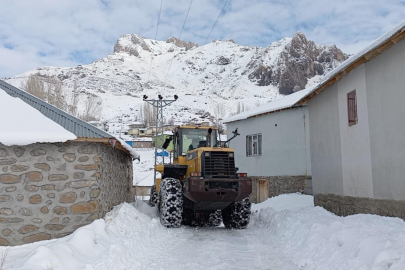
(262, 190)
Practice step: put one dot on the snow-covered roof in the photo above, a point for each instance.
(67, 121)
(283, 103)
(375, 48)
(25, 119)
(21, 124)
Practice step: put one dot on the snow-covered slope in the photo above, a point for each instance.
(220, 73)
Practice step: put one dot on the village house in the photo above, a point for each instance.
(273, 146)
(357, 131)
(141, 142)
(57, 173)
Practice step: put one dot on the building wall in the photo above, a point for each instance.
(285, 144)
(373, 150)
(325, 142)
(49, 190)
(385, 79)
(355, 139)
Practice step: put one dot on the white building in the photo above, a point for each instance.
(358, 131)
(274, 144)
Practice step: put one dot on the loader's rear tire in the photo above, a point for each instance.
(214, 219)
(237, 215)
(170, 203)
(153, 196)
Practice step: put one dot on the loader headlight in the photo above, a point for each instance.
(231, 154)
(207, 154)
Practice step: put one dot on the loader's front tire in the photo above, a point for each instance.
(170, 203)
(237, 215)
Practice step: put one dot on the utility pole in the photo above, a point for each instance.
(159, 104)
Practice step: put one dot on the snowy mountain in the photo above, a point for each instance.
(221, 73)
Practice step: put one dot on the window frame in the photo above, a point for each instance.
(254, 145)
(352, 115)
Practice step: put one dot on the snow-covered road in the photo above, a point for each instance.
(148, 245)
(286, 233)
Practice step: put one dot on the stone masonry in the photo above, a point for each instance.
(347, 205)
(49, 190)
(279, 185)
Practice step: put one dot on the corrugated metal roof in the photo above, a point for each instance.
(69, 122)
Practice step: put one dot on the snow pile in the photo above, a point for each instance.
(286, 232)
(21, 124)
(317, 239)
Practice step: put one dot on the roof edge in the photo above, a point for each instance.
(261, 114)
(363, 58)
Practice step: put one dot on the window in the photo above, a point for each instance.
(352, 107)
(254, 145)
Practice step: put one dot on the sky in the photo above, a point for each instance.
(67, 33)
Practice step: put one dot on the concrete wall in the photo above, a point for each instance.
(285, 144)
(325, 142)
(49, 190)
(355, 139)
(385, 79)
(365, 169)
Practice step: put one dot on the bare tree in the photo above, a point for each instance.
(92, 108)
(170, 121)
(55, 95)
(148, 114)
(35, 86)
(219, 113)
(257, 103)
(74, 100)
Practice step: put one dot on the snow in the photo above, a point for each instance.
(355, 57)
(286, 232)
(132, 152)
(21, 124)
(143, 169)
(275, 105)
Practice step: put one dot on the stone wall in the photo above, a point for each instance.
(49, 190)
(279, 185)
(346, 205)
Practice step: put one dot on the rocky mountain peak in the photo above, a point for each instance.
(299, 60)
(181, 43)
(131, 43)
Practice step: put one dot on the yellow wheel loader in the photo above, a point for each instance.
(201, 187)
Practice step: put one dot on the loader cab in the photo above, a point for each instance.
(188, 138)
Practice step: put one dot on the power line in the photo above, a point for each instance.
(171, 61)
(209, 34)
(157, 27)
(215, 22)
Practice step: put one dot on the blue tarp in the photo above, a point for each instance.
(129, 142)
(160, 154)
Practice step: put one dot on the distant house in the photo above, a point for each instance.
(358, 132)
(57, 173)
(141, 132)
(273, 145)
(141, 142)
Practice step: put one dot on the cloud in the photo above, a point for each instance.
(66, 33)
